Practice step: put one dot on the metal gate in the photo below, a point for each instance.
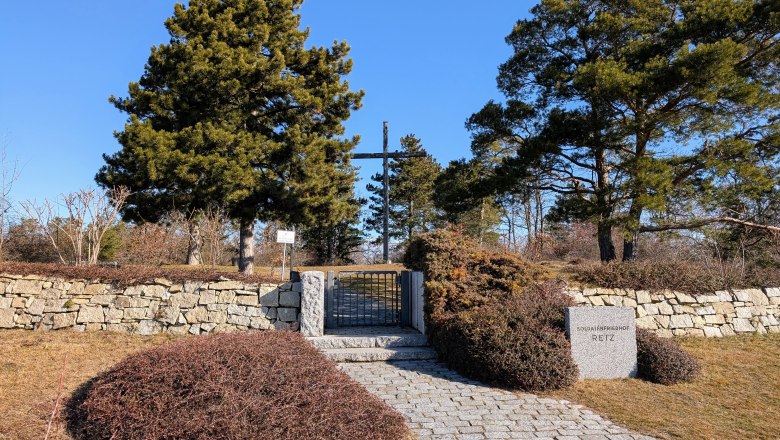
(365, 298)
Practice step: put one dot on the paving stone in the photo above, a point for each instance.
(439, 403)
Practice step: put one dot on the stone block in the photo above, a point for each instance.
(133, 291)
(90, 314)
(207, 327)
(77, 288)
(665, 308)
(744, 312)
(195, 329)
(712, 332)
(613, 300)
(253, 311)
(176, 288)
(287, 314)
(704, 299)
(5, 302)
(225, 296)
(727, 330)
(120, 328)
(651, 309)
(96, 289)
(647, 322)
(247, 300)
(724, 295)
(707, 310)
(155, 291)
(629, 302)
(238, 320)
(235, 309)
(714, 319)
(680, 321)
(756, 296)
(114, 315)
(260, 323)
(603, 341)
(643, 296)
(18, 302)
(270, 298)
(184, 300)
(177, 329)
(596, 300)
(226, 285)
(297, 287)
(63, 320)
(36, 307)
(7, 318)
(29, 287)
(25, 319)
(290, 299)
(641, 312)
(662, 320)
(148, 327)
(102, 300)
(136, 313)
(742, 325)
(723, 308)
(312, 322)
(197, 315)
(217, 317)
(772, 292)
(168, 314)
(207, 297)
(163, 282)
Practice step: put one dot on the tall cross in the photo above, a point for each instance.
(385, 155)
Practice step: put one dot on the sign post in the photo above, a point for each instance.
(285, 237)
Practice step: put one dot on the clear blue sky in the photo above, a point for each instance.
(425, 67)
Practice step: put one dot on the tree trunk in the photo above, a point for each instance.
(246, 247)
(631, 247)
(194, 256)
(606, 247)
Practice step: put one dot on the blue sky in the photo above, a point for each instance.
(425, 67)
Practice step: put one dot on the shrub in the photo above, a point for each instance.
(127, 275)
(230, 386)
(460, 275)
(680, 275)
(517, 342)
(663, 361)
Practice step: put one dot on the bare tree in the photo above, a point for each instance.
(89, 214)
(9, 173)
(215, 227)
(189, 224)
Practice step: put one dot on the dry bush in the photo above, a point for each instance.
(679, 275)
(487, 319)
(517, 342)
(461, 275)
(152, 244)
(576, 241)
(663, 361)
(230, 386)
(127, 275)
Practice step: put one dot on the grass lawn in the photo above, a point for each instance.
(737, 395)
(30, 366)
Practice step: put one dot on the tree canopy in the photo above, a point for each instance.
(235, 111)
(641, 114)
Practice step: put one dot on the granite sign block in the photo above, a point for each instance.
(603, 341)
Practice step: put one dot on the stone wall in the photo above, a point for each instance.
(723, 313)
(35, 302)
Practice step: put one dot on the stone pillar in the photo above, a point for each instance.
(313, 304)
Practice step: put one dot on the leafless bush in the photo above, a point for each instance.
(88, 215)
(152, 244)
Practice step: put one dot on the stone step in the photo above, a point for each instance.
(378, 341)
(379, 354)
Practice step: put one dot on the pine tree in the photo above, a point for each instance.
(234, 111)
(411, 194)
(629, 110)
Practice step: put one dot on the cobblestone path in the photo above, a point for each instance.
(440, 404)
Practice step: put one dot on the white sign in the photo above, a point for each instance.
(285, 237)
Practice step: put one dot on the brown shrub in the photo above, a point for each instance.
(683, 276)
(461, 275)
(230, 386)
(125, 275)
(663, 361)
(517, 342)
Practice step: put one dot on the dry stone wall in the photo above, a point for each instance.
(668, 313)
(35, 302)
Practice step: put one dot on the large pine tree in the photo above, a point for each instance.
(633, 111)
(236, 111)
(411, 193)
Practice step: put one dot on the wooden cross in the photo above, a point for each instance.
(385, 155)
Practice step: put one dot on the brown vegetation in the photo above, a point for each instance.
(125, 275)
(230, 386)
(488, 319)
(678, 275)
(662, 361)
